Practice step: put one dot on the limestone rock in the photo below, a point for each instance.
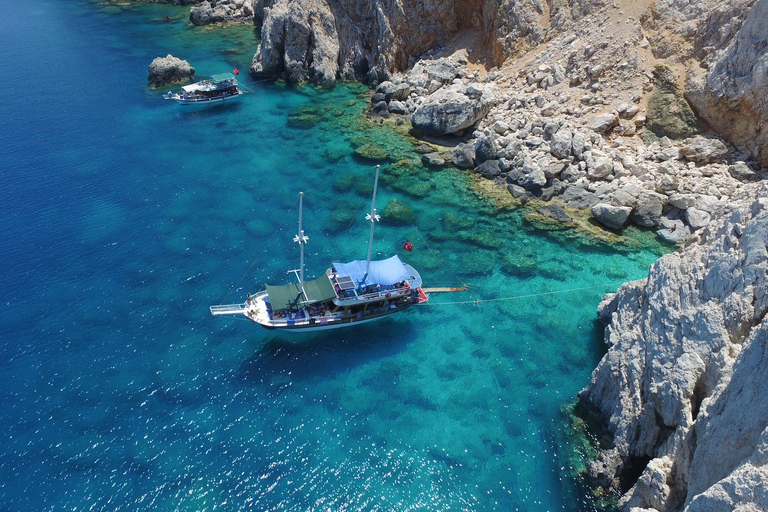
(217, 11)
(611, 216)
(560, 145)
(696, 218)
(299, 41)
(485, 149)
(168, 70)
(742, 172)
(600, 167)
(730, 93)
(393, 91)
(463, 156)
(647, 212)
(605, 122)
(397, 107)
(433, 159)
(451, 109)
(673, 231)
(703, 150)
(488, 169)
(684, 383)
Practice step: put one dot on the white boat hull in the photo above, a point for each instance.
(257, 311)
(181, 101)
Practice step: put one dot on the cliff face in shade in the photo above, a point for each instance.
(684, 385)
(730, 94)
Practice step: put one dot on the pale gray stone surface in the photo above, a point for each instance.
(684, 380)
(611, 216)
(168, 70)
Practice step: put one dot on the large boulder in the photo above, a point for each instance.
(463, 156)
(648, 210)
(485, 149)
(611, 216)
(488, 169)
(168, 70)
(703, 150)
(394, 91)
(560, 145)
(532, 177)
(604, 123)
(452, 109)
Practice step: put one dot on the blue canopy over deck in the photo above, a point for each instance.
(384, 272)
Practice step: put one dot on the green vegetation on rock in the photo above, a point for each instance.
(668, 114)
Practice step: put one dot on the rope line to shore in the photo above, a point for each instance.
(514, 297)
(258, 255)
(437, 258)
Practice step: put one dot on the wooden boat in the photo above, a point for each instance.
(347, 294)
(219, 88)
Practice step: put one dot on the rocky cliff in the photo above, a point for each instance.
(717, 44)
(684, 384)
(381, 37)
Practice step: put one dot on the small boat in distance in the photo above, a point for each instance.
(220, 88)
(347, 294)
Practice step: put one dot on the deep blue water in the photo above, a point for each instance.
(125, 217)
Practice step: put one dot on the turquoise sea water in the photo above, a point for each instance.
(126, 216)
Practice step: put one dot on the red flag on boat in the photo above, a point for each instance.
(235, 71)
(408, 246)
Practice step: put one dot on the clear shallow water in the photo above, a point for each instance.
(126, 216)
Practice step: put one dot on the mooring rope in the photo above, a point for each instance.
(258, 255)
(527, 296)
(437, 258)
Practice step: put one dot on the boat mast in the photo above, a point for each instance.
(373, 218)
(301, 239)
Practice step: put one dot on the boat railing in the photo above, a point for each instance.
(228, 309)
(385, 294)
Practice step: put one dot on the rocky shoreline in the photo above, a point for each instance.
(523, 139)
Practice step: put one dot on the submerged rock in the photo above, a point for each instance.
(397, 212)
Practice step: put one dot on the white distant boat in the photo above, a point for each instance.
(219, 88)
(347, 294)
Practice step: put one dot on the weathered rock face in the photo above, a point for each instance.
(384, 36)
(168, 70)
(323, 41)
(730, 94)
(611, 216)
(300, 42)
(684, 383)
(217, 11)
(452, 109)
